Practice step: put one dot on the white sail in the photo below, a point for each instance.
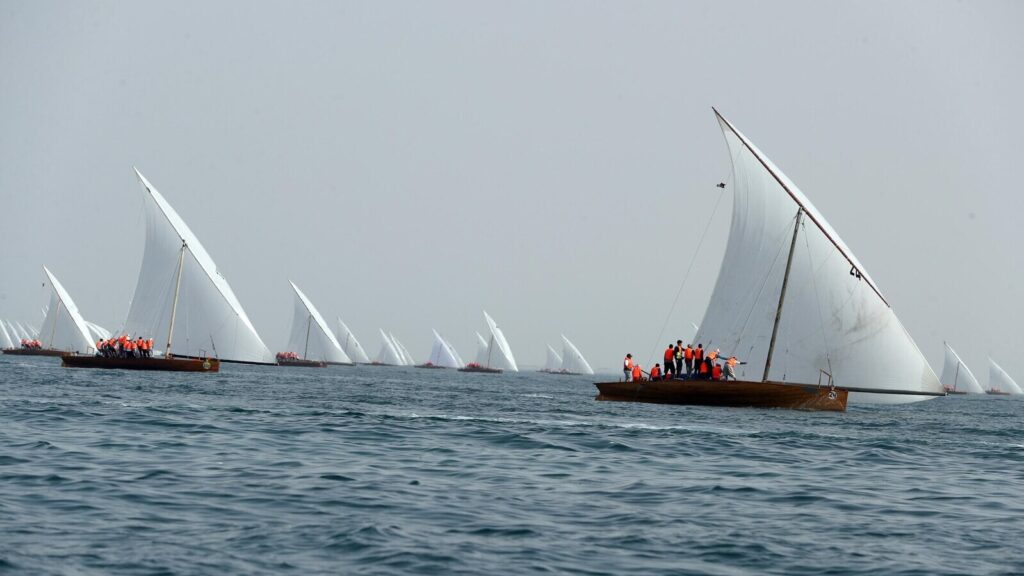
(5, 338)
(310, 337)
(442, 354)
(350, 345)
(63, 327)
(24, 332)
(500, 354)
(403, 352)
(98, 332)
(208, 319)
(1000, 380)
(572, 360)
(553, 363)
(454, 353)
(834, 318)
(957, 376)
(388, 352)
(481, 350)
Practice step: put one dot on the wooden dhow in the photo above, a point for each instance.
(796, 305)
(311, 341)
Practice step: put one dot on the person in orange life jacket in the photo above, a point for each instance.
(638, 373)
(703, 371)
(656, 372)
(698, 355)
(688, 356)
(730, 367)
(669, 355)
(627, 367)
(716, 370)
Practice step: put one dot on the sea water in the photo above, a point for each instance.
(378, 470)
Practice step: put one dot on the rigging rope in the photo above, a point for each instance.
(817, 298)
(671, 310)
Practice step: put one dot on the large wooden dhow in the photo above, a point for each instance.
(181, 294)
(493, 356)
(793, 301)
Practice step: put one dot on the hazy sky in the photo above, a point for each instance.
(409, 164)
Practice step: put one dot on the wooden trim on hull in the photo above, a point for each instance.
(34, 352)
(481, 369)
(725, 393)
(302, 364)
(996, 393)
(173, 364)
(224, 361)
(431, 366)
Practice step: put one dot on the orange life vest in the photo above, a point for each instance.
(716, 373)
(637, 372)
(688, 353)
(668, 354)
(628, 363)
(732, 361)
(655, 372)
(703, 368)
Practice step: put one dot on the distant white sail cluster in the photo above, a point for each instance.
(1000, 381)
(443, 354)
(390, 353)
(353, 349)
(310, 337)
(494, 352)
(63, 327)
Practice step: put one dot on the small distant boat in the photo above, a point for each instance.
(553, 362)
(64, 330)
(389, 354)
(350, 344)
(573, 361)
(311, 335)
(496, 356)
(999, 382)
(795, 304)
(442, 355)
(956, 377)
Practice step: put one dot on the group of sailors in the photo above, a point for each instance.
(286, 356)
(697, 364)
(31, 344)
(124, 346)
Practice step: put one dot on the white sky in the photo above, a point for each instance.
(409, 164)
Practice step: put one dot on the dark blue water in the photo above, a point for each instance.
(368, 470)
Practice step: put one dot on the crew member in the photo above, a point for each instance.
(627, 367)
(669, 358)
(688, 355)
(656, 372)
(679, 357)
(638, 373)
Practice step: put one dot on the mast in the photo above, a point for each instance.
(490, 347)
(782, 293)
(309, 324)
(174, 306)
(56, 316)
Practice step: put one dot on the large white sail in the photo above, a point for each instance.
(5, 338)
(481, 350)
(402, 351)
(957, 376)
(500, 354)
(553, 363)
(572, 360)
(63, 327)
(24, 332)
(833, 320)
(208, 319)
(388, 352)
(98, 332)
(350, 345)
(310, 337)
(442, 354)
(1000, 380)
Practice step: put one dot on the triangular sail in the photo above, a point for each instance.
(956, 376)
(388, 352)
(481, 350)
(403, 352)
(98, 332)
(5, 338)
(310, 337)
(834, 319)
(350, 345)
(23, 332)
(63, 327)
(500, 354)
(553, 363)
(442, 354)
(998, 379)
(208, 318)
(572, 360)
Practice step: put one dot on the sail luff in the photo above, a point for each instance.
(803, 204)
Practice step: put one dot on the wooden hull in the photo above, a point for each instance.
(165, 364)
(481, 369)
(997, 393)
(431, 366)
(302, 363)
(33, 352)
(726, 393)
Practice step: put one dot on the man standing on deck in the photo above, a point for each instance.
(627, 367)
(669, 355)
(730, 367)
(679, 357)
(688, 356)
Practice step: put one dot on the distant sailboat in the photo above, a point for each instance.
(573, 361)
(311, 344)
(956, 377)
(64, 330)
(5, 338)
(402, 351)
(792, 301)
(350, 345)
(389, 354)
(553, 362)
(442, 355)
(999, 382)
(499, 355)
(481, 350)
(181, 294)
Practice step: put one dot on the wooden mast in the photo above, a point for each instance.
(56, 317)
(309, 324)
(782, 293)
(174, 306)
(490, 347)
